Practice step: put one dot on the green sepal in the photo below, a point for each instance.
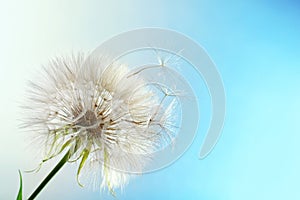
(66, 144)
(85, 153)
(106, 163)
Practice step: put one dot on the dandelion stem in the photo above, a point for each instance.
(50, 175)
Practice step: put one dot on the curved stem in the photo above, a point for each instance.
(50, 175)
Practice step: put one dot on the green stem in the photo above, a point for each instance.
(50, 175)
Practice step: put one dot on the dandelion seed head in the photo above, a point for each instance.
(106, 117)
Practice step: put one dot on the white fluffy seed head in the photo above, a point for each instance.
(104, 116)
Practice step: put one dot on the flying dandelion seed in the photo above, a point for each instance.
(102, 114)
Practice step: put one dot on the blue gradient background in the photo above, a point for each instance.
(255, 46)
